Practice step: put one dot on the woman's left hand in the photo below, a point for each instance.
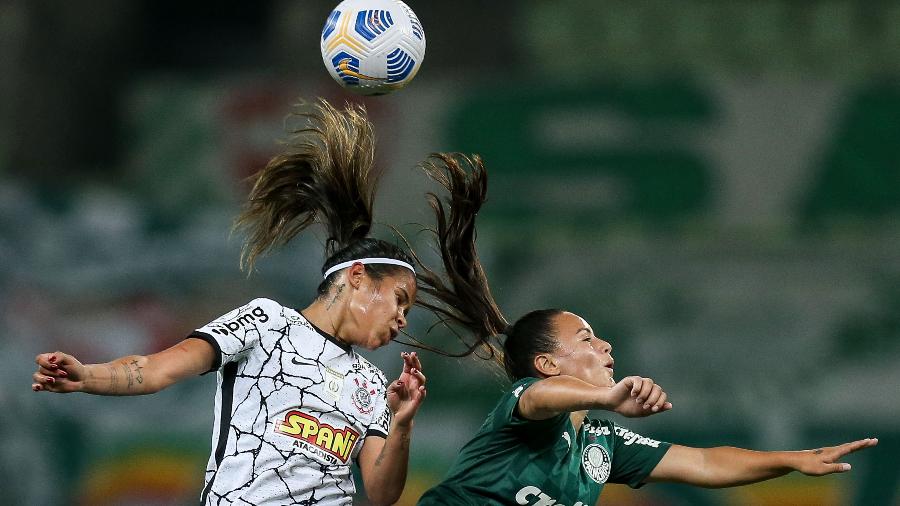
(405, 395)
(826, 460)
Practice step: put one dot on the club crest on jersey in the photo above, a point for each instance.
(334, 383)
(596, 462)
(362, 397)
(318, 437)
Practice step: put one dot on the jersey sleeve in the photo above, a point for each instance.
(634, 456)
(381, 421)
(506, 414)
(237, 332)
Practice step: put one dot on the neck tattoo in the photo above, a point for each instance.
(335, 298)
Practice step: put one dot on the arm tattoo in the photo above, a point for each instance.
(128, 375)
(404, 446)
(113, 379)
(137, 369)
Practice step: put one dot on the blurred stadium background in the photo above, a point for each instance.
(714, 185)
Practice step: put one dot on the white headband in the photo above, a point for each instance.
(365, 261)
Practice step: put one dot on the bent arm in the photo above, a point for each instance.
(632, 396)
(726, 466)
(129, 375)
(558, 394)
(383, 464)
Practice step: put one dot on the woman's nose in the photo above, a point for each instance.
(605, 347)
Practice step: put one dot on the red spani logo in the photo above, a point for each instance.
(338, 442)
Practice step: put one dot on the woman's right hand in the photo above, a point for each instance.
(58, 372)
(635, 396)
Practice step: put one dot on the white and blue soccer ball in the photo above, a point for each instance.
(373, 47)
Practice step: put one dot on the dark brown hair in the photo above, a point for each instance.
(463, 297)
(464, 293)
(326, 174)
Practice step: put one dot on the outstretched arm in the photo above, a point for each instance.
(633, 396)
(728, 467)
(132, 375)
(383, 462)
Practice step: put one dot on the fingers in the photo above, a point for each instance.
(417, 382)
(862, 443)
(51, 369)
(56, 373)
(411, 361)
(645, 391)
(833, 453)
(49, 360)
(656, 399)
(649, 397)
(419, 395)
(41, 382)
(854, 446)
(413, 366)
(826, 457)
(635, 382)
(422, 393)
(405, 392)
(56, 361)
(652, 397)
(410, 384)
(838, 467)
(655, 393)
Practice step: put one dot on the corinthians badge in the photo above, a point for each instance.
(362, 397)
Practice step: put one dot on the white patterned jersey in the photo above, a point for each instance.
(293, 407)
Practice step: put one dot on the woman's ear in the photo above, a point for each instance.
(546, 365)
(355, 274)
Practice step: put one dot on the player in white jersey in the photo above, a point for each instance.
(295, 403)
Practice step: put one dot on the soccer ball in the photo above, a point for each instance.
(373, 47)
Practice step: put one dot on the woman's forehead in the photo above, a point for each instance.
(406, 281)
(568, 324)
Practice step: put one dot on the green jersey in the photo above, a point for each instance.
(514, 461)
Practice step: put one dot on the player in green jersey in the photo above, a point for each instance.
(538, 447)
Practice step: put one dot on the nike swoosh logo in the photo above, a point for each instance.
(295, 361)
(344, 67)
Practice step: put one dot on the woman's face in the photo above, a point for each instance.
(581, 353)
(378, 308)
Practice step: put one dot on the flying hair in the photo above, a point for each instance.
(462, 297)
(325, 175)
